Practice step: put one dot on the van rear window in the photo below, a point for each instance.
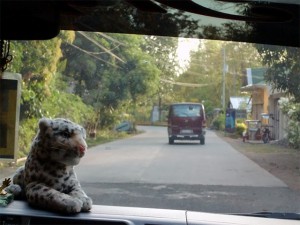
(186, 110)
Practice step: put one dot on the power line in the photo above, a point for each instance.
(90, 54)
(184, 84)
(100, 46)
(110, 38)
(99, 53)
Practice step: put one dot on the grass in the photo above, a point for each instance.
(106, 136)
(159, 123)
(257, 147)
(102, 137)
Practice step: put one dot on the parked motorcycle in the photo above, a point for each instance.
(266, 135)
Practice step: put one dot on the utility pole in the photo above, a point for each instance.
(223, 79)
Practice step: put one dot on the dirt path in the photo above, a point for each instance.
(280, 161)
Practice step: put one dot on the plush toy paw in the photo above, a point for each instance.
(87, 204)
(73, 205)
(14, 189)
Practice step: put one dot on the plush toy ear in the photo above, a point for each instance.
(44, 124)
(83, 131)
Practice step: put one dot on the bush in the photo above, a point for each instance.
(57, 105)
(240, 128)
(294, 134)
(27, 131)
(219, 122)
(292, 110)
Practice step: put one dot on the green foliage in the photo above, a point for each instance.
(63, 103)
(163, 50)
(104, 136)
(58, 104)
(292, 110)
(67, 36)
(219, 122)
(37, 62)
(27, 131)
(114, 71)
(206, 69)
(284, 68)
(294, 134)
(99, 78)
(66, 105)
(143, 113)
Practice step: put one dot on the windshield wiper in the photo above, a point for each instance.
(276, 215)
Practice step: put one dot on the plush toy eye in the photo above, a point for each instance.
(65, 134)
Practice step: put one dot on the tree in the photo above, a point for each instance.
(44, 92)
(283, 68)
(292, 110)
(206, 69)
(37, 62)
(108, 70)
(283, 74)
(164, 52)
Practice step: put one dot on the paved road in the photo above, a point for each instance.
(146, 171)
(148, 158)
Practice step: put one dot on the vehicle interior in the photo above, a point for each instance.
(271, 22)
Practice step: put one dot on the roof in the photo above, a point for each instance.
(256, 75)
(255, 78)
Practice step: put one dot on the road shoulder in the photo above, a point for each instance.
(282, 162)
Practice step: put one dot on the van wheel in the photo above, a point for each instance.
(202, 141)
(171, 141)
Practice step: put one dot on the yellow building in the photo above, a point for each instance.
(264, 100)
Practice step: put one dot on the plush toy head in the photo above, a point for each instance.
(60, 140)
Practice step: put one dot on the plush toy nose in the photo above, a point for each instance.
(82, 148)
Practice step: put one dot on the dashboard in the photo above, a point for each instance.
(19, 213)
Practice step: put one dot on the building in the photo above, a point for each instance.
(264, 101)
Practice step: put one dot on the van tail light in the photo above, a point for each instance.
(204, 124)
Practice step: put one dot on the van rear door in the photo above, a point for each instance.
(186, 115)
(186, 121)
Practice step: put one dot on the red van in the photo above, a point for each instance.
(186, 121)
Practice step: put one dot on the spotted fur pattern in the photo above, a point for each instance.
(48, 179)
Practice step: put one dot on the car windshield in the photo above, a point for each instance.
(243, 156)
(109, 81)
(186, 110)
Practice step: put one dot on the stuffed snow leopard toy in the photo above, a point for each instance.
(48, 179)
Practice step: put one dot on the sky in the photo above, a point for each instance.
(185, 46)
